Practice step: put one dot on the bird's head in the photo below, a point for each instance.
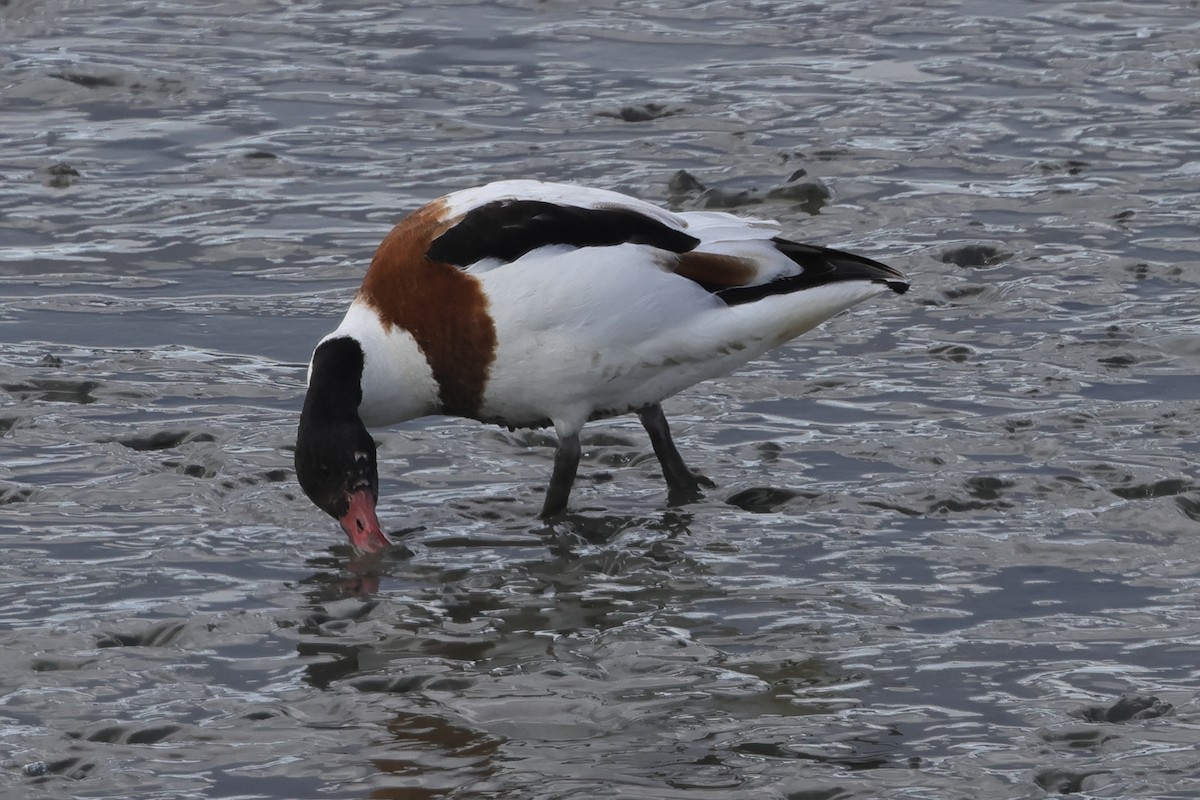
(335, 455)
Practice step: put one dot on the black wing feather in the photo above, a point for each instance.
(508, 229)
(818, 266)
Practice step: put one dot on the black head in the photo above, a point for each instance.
(334, 460)
(335, 455)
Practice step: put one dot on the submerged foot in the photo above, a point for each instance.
(684, 490)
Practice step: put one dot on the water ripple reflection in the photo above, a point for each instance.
(952, 545)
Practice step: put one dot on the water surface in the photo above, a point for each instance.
(952, 531)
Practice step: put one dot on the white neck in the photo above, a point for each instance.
(397, 383)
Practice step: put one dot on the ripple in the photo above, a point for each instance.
(952, 540)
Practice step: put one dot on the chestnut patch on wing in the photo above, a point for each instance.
(508, 229)
(713, 271)
(818, 266)
(443, 308)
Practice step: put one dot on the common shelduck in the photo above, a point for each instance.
(530, 304)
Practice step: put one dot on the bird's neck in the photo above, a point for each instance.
(394, 381)
(334, 382)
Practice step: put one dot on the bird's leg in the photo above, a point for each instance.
(684, 485)
(566, 464)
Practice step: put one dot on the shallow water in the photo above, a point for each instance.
(952, 530)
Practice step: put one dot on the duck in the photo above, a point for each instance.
(531, 304)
